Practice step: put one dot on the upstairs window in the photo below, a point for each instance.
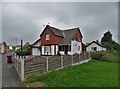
(47, 37)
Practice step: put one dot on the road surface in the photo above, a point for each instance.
(10, 76)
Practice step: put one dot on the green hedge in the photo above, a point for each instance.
(105, 55)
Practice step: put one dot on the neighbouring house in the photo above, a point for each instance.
(10, 47)
(4, 47)
(36, 49)
(17, 47)
(54, 41)
(1, 48)
(95, 46)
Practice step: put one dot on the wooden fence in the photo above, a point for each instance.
(46, 63)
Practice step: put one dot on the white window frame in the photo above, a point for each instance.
(47, 48)
(47, 37)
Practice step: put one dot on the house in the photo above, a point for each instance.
(54, 41)
(36, 49)
(1, 48)
(17, 47)
(4, 47)
(10, 47)
(95, 46)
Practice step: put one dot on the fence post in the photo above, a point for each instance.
(17, 57)
(22, 69)
(89, 55)
(47, 64)
(72, 60)
(84, 57)
(62, 61)
(79, 58)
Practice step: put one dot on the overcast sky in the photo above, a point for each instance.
(25, 21)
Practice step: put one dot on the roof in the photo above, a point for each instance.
(36, 41)
(95, 43)
(56, 31)
(69, 34)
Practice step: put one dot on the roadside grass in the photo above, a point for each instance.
(91, 74)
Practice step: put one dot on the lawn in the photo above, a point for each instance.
(91, 74)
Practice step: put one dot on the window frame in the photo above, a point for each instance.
(47, 37)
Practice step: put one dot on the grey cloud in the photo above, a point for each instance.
(25, 20)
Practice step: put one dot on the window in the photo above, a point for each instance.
(61, 48)
(47, 37)
(94, 48)
(47, 48)
(78, 47)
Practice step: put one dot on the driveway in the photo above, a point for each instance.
(10, 76)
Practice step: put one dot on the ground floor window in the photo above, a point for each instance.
(94, 48)
(61, 48)
(47, 48)
(65, 48)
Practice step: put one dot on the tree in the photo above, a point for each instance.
(109, 43)
(107, 37)
(26, 50)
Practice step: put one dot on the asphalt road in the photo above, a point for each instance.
(10, 76)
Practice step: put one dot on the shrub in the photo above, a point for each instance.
(105, 55)
(97, 55)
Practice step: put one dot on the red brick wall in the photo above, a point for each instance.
(6, 47)
(53, 39)
(78, 36)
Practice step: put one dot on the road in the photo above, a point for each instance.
(10, 76)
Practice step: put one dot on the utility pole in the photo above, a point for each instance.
(21, 44)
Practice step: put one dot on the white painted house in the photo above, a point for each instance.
(36, 49)
(95, 46)
(10, 47)
(2, 48)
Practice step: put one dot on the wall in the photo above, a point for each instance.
(53, 39)
(35, 51)
(52, 50)
(78, 36)
(2, 48)
(99, 48)
(10, 47)
(74, 47)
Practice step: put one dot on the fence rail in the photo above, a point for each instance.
(43, 64)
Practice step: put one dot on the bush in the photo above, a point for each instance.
(105, 55)
(97, 55)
